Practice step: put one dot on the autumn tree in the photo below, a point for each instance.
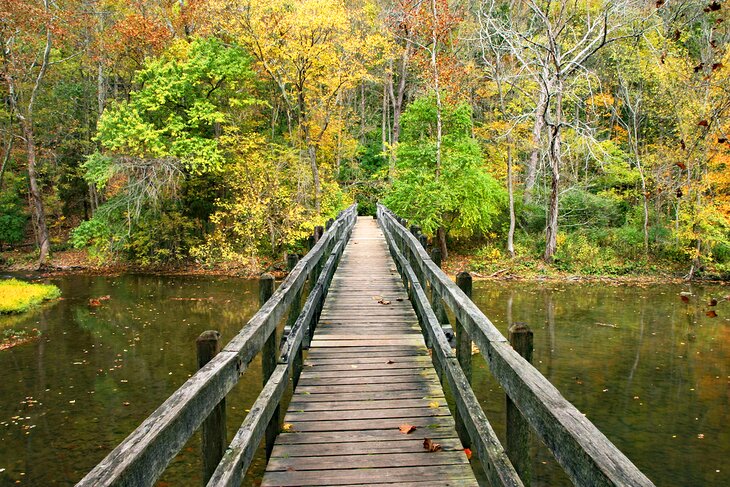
(313, 51)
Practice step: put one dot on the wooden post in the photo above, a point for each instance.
(213, 429)
(310, 242)
(268, 361)
(329, 223)
(423, 240)
(296, 307)
(436, 303)
(463, 352)
(518, 431)
(318, 232)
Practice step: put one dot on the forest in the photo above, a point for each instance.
(529, 136)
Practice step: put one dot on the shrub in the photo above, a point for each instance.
(19, 296)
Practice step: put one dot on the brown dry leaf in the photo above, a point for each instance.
(684, 298)
(407, 428)
(399, 299)
(384, 301)
(711, 313)
(713, 302)
(429, 445)
(389, 362)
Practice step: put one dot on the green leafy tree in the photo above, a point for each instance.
(461, 196)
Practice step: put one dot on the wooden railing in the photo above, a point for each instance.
(586, 455)
(142, 457)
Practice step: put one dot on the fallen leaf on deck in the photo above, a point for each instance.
(399, 299)
(711, 313)
(389, 362)
(384, 301)
(287, 427)
(433, 404)
(429, 445)
(377, 298)
(407, 428)
(468, 453)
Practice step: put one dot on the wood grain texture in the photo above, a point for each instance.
(368, 372)
(586, 455)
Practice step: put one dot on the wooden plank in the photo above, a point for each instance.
(301, 406)
(587, 456)
(367, 373)
(368, 461)
(294, 415)
(440, 475)
(407, 445)
(371, 436)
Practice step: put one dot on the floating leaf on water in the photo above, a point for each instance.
(712, 302)
(711, 313)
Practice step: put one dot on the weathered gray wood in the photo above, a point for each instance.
(438, 475)
(587, 456)
(268, 361)
(463, 349)
(143, 455)
(367, 374)
(239, 454)
(436, 303)
(497, 466)
(518, 430)
(213, 429)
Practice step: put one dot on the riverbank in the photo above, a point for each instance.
(68, 262)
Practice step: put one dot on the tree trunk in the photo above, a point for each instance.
(554, 157)
(441, 237)
(398, 97)
(312, 150)
(36, 199)
(531, 175)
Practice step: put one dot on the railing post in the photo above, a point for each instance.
(318, 232)
(213, 429)
(329, 224)
(518, 431)
(436, 303)
(294, 310)
(463, 351)
(268, 360)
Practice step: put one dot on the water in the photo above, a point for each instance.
(649, 370)
(97, 372)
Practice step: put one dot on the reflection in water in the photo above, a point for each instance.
(67, 399)
(650, 371)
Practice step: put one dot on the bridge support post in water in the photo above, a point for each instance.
(213, 429)
(463, 352)
(518, 431)
(296, 307)
(268, 361)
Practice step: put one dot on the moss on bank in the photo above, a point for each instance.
(19, 296)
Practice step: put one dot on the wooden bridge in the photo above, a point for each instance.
(368, 408)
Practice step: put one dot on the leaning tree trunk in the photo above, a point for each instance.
(554, 157)
(36, 199)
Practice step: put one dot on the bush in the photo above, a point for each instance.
(580, 207)
(19, 296)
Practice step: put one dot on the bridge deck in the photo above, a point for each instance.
(367, 373)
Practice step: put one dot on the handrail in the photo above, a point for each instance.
(238, 456)
(142, 457)
(492, 456)
(586, 455)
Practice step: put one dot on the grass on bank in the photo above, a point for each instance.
(19, 296)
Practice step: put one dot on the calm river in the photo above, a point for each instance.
(651, 371)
